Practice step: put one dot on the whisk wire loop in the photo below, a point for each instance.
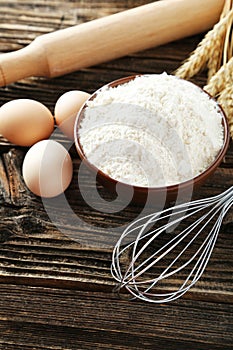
(136, 276)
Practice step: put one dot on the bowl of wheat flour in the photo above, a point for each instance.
(156, 133)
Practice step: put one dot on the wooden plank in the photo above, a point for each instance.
(56, 319)
(35, 252)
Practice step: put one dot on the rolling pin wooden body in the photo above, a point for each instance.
(110, 37)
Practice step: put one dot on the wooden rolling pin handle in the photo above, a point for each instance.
(110, 37)
(29, 61)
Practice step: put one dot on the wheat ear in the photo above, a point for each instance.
(226, 101)
(221, 79)
(204, 50)
(215, 57)
(221, 45)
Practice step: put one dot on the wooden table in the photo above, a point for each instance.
(57, 292)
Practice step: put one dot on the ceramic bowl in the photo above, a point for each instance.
(152, 194)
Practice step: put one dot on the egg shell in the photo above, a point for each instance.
(25, 122)
(66, 110)
(47, 169)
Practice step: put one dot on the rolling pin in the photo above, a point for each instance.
(110, 37)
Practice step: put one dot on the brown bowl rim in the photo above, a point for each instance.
(171, 188)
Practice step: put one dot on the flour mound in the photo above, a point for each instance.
(155, 130)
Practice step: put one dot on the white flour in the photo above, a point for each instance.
(156, 130)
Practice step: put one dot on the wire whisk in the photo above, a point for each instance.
(165, 249)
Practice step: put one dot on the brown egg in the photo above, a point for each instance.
(25, 122)
(47, 169)
(66, 110)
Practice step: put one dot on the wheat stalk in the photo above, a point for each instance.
(226, 101)
(227, 50)
(226, 8)
(220, 48)
(204, 51)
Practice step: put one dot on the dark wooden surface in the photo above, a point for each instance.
(57, 292)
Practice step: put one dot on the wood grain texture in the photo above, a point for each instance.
(27, 312)
(55, 282)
